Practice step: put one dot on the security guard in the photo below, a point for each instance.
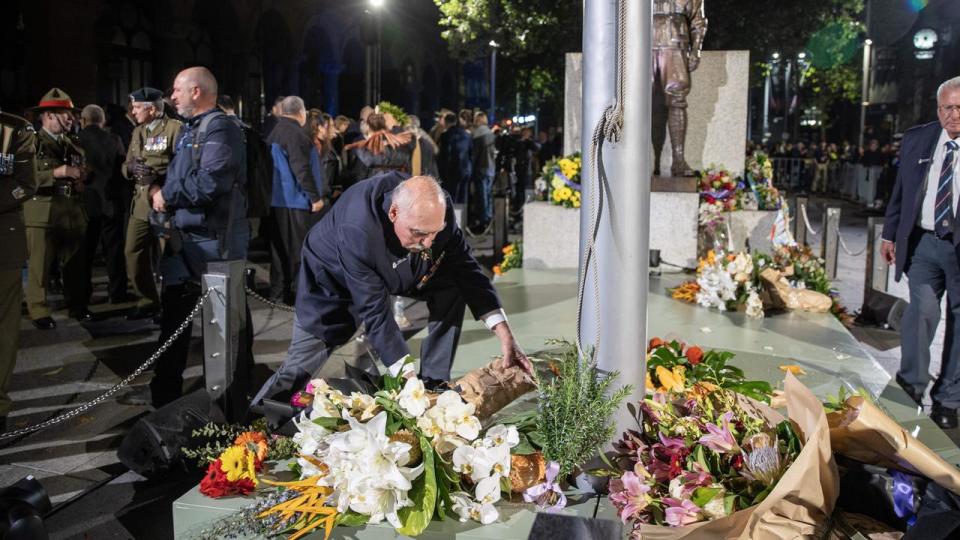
(17, 184)
(151, 149)
(55, 219)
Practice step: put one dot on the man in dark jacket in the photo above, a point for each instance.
(387, 236)
(921, 237)
(105, 213)
(204, 195)
(454, 159)
(298, 196)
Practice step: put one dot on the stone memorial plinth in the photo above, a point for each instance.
(551, 234)
(754, 226)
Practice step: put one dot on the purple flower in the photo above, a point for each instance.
(696, 478)
(720, 439)
(666, 457)
(548, 496)
(678, 513)
(629, 494)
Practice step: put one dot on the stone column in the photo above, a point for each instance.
(331, 86)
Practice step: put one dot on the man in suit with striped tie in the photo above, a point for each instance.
(921, 236)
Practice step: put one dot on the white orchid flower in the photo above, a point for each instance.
(474, 462)
(413, 398)
(500, 457)
(468, 509)
(362, 406)
(501, 435)
(488, 490)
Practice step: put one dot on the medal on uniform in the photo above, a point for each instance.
(6, 164)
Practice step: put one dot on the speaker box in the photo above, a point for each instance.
(154, 444)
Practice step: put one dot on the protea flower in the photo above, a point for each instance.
(761, 459)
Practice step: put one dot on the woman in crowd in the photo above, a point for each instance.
(380, 152)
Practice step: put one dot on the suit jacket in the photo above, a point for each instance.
(294, 183)
(352, 262)
(903, 210)
(101, 149)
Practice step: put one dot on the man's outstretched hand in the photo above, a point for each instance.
(513, 355)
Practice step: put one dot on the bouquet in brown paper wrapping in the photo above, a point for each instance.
(493, 387)
(783, 296)
(861, 431)
(745, 475)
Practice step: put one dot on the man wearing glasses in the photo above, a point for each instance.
(920, 237)
(387, 236)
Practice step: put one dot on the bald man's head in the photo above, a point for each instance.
(417, 209)
(194, 91)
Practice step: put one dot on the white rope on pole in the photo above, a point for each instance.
(806, 220)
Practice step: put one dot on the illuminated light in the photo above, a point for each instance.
(377, 3)
(918, 5)
(494, 44)
(802, 55)
(776, 56)
(868, 42)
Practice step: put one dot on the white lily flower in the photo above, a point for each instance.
(413, 398)
(362, 406)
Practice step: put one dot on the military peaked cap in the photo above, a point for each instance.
(55, 99)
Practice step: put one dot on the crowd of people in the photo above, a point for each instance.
(862, 174)
(174, 182)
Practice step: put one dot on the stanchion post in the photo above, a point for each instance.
(876, 271)
(830, 241)
(223, 318)
(799, 225)
(501, 213)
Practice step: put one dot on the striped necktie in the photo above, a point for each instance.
(943, 225)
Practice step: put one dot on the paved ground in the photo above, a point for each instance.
(96, 497)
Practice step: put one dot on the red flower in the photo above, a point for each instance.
(655, 343)
(216, 485)
(694, 355)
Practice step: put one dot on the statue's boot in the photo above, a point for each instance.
(677, 125)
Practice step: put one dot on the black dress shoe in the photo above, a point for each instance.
(944, 417)
(144, 312)
(82, 315)
(917, 398)
(44, 323)
(137, 396)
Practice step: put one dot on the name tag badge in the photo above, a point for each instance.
(6, 164)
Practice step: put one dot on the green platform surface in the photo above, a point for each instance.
(541, 305)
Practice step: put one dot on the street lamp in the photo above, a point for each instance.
(493, 81)
(865, 87)
(374, 55)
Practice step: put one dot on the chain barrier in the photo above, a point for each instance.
(274, 305)
(847, 249)
(806, 220)
(122, 384)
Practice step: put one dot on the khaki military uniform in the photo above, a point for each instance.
(156, 147)
(56, 224)
(17, 184)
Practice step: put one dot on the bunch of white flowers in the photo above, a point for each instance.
(716, 287)
(485, 463)
(741, 267)
(754, 305)
(450, 423)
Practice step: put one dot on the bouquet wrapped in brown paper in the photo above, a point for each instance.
(797, 502)
(493, 387)
(861, 431)
(783, 296)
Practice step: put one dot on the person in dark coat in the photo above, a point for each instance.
(106, 214)
(382, 151)
(298, 196)
(454, 159)
(387, 235)
(921, 237)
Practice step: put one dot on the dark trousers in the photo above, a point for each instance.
(286, 230)
(107, 233)
(177, 301)
(308, 353)
(933, 269)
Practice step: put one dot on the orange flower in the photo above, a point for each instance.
(655, 343)
(497, 271)
(508, 249)
(254, 441)
(694, 355)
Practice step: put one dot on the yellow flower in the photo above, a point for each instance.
(649, 382)
(793, 368)
(576, 203)
(238, 462)
(556, 196)
(671, 381)
(508, 249)
(565, 193)
(556, 182)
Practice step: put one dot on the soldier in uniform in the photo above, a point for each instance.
(55, 219)
(151, 149)
(679, 27)
(17, 150)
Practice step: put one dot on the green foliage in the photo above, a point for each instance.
(712, 368)
(837, 402)
(395, 110)
(575, 409)
(423, 494)
(208, 442)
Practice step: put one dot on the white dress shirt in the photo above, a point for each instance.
(927, 211)
(490, 320)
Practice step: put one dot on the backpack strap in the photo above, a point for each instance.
(200, 134)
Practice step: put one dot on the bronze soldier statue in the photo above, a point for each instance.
(678, 30)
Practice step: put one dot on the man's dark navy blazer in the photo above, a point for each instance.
(353, 261)
(903, 210)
